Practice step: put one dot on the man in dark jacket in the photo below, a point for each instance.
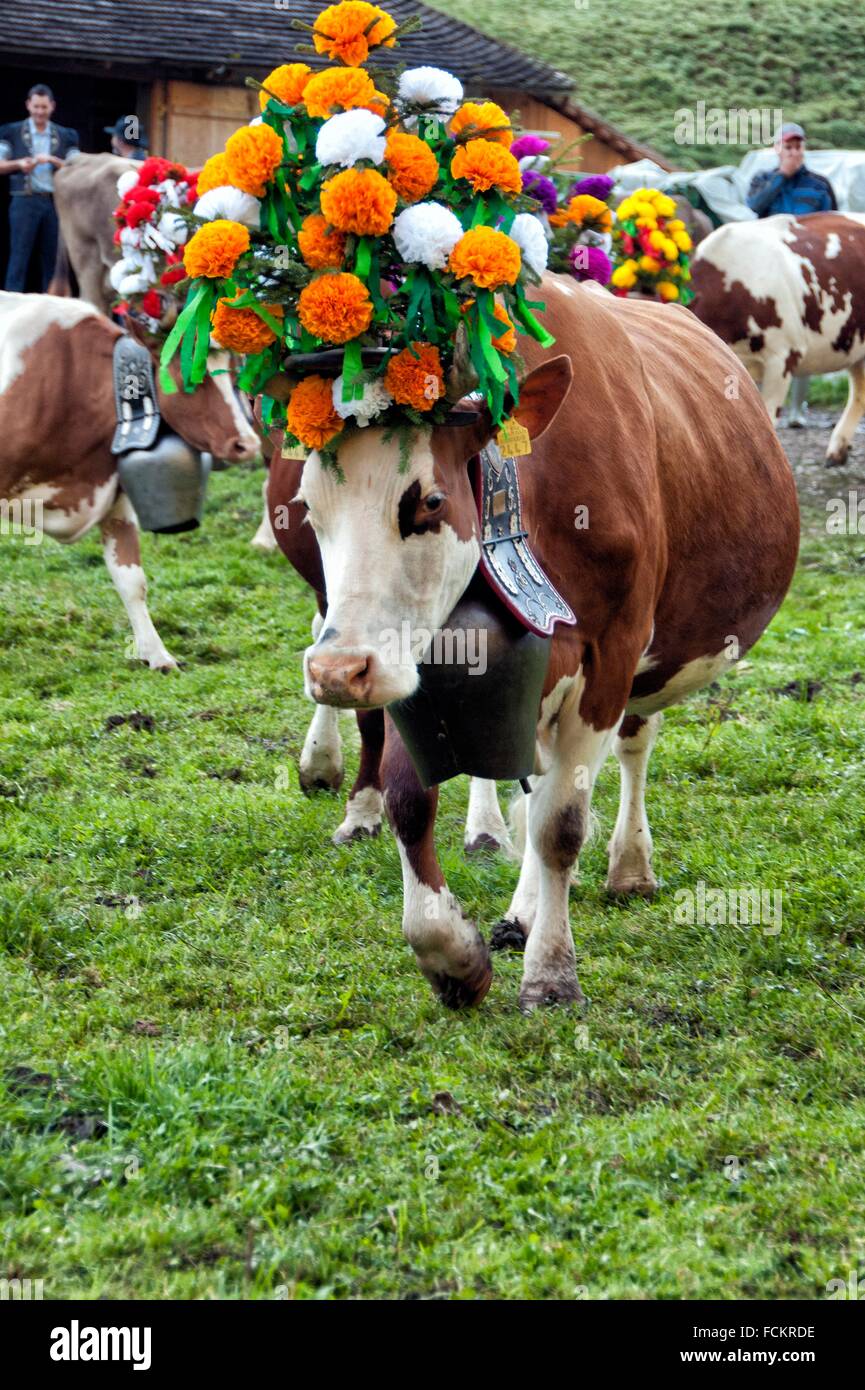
(30, 151)
(127, 138)
(791, 188)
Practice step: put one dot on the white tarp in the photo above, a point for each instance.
(724, 189)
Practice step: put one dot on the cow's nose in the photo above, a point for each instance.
(243, 447)
(341, 678)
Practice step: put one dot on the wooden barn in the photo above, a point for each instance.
(180, 66)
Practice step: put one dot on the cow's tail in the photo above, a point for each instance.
(61, 284)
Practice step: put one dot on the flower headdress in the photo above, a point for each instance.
(150, 235)
(652, 247)
(386, 224)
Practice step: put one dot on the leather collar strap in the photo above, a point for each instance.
(134, 397)
(507, 562)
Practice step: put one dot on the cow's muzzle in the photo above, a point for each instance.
(356, 679)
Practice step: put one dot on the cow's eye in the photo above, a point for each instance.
(434, 501)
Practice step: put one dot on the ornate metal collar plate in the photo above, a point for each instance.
(507, 562)
(135, 398)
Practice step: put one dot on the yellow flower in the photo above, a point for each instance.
(670, 249)
(649, 265)
(624, 276)
(625, 210)
(668, 291)
(664, 205)
(683, 241)
(657, 240)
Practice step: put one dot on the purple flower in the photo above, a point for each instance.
(596, 185)
(537, 186)
(591, 263)
(529, 145)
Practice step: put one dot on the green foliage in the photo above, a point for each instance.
(635, 63)
(221, 1074)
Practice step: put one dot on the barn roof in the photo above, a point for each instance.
(223, 41)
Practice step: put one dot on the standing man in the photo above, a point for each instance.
(128, 138)
(30, 151)
(796, 189)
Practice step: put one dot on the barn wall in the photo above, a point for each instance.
(191, 120)
(590, 157)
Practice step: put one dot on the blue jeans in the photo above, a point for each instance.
(32, 223)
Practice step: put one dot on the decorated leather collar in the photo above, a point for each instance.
(135, 399)
(507, 562)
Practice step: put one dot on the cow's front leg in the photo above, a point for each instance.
(774, 386)
(265, 537)
(449, 949)
(572, 752)
(364, 806)
(321, 764)
(122, 551)
(630, 848)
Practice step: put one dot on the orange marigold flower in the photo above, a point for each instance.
(215, 249)
(322, 249)
(585, 208)
(287, 82)
(310, 416)
(413, 168)
(242, 330)
(214, 174)
(253, 154)
(348, 31)
(507, 341)
(335, 307)
(360, 201)
(483, 118)
(414, 376)
(487, 256)
(346, 88)
(487, 165)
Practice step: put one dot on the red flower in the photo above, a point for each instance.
(173, 275)
(152, 304)
(155, 169)
(628, 243)
(138, 212)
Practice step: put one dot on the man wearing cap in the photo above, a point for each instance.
(127, 137)
(792, 187)
(796, 189)
(30, 151)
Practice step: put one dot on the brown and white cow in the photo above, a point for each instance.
(690, 546)
(788, 294)
(321, 759)
(85, 194)
(57, 420)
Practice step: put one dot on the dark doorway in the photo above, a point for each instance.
(85, 102)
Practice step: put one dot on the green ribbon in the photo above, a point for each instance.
(352, 388)
(530, 323)
(196, 296)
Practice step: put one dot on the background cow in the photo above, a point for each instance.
(690, 547)
(788, 295)
(85, 195)
(57, 419)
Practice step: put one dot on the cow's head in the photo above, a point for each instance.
(399, 544)
(213, 418)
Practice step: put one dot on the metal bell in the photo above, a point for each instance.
(166, 484)
(473, 717)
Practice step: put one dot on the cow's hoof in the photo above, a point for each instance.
(347, 833)
(319, 781)
(463, 994)
(557, 990)
(796, 422)
(482, 844)
(163, 665)
(838, 458)
(631, 886)
(508, 936)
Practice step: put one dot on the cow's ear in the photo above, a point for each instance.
(542, 395)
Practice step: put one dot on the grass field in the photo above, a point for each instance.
(223, 1076)
(635, 62)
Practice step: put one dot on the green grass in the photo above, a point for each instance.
(233, 1082)
(636, 62)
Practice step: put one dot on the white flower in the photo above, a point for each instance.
(536, 162)
(130, 238)
(120, 269)
(374, 400)
(427, 232)
(437, 92)
(256, 120)
(126, 182)
(136, 283)
(528, 232)
(230, 203)
(351, 136)
(173, 228)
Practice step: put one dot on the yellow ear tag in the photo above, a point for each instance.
(514, 439)
(293, 451)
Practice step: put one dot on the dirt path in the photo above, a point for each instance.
(806, 450)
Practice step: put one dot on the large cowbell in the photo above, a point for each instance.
(476, 708)
(166, 484)
(164, 479)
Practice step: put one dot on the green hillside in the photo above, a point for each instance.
(636, 61)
